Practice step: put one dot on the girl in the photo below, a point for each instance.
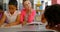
(1, 15)
(12, 15)
(27, 14)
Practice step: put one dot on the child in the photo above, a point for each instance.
(12, 15)
(52, 16)
(27, 14)
(1, 15)
(1, 11)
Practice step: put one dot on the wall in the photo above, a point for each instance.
(54, 2)
(58, 1)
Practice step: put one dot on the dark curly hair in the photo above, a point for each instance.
(1, 7)
(52, 14)
(13, 2)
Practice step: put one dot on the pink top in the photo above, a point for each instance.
(30, 17)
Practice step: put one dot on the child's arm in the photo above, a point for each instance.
(2, 19)
(43, 20)
(14, 23)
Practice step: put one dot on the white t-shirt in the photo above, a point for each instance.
(11, 18)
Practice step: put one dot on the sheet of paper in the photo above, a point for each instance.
(16, 26)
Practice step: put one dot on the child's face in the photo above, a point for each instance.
(12, 8)
(27, 5)
(1, 11)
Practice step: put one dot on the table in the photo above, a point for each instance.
(26, 28)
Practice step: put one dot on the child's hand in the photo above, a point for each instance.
(0, 25)
(7, 25)
(24, 23)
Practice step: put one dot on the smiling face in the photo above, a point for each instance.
(12, 8)
(27, 5)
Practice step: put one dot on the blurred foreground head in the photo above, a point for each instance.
(52, 15)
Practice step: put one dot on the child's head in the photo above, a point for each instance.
(12, 6)
(1, 8)
(27, 4)
(52, 15)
